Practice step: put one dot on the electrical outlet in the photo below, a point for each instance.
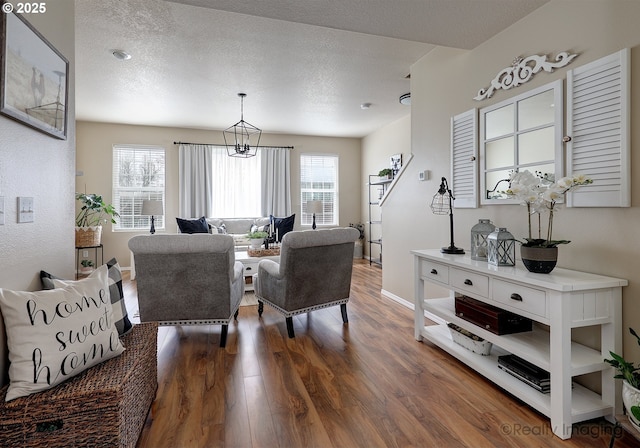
(85, 253)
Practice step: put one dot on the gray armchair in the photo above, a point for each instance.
(314, 272)
(188, 279)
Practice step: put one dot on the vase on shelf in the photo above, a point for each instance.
(540, 260)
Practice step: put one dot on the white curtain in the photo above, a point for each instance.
(195, 178)
(276, 181)
(212, 184)
(236, 185)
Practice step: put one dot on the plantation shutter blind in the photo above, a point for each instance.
(598, 124)
(138, 174)
(464, 156)
(319, 182)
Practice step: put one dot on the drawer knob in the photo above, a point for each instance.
(487, 326)
(434, 272)
(468, 282)
(516, 296)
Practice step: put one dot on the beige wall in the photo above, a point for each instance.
(94, 158)
(37, 165)
(377, 149)
(443, 83)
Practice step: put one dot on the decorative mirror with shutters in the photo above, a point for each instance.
(521, 133)
(526, 132)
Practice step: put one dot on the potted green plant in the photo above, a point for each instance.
(541, 192)
(385, 173)
(92, 214)
(256, 239)
(87, 266)
(630, 376)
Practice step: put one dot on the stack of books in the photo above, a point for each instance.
(526, 372)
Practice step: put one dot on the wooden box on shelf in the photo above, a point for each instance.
(489, 317)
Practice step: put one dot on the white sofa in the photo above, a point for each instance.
(238, 228)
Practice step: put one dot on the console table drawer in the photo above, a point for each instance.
(470, 282)
(435, 272)
(521, 297)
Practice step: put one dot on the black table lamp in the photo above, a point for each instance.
(314, 207)
(151, 208)
(442, 204)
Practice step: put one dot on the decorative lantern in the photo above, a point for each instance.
(479, 234)
(501, 248)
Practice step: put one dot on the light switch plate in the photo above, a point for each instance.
(25, 209)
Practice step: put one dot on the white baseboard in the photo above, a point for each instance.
(411, 306)
(398, 299)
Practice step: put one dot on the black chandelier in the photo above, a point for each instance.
(237, 138)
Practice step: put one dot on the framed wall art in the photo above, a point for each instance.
(396, 163)
(35, 77)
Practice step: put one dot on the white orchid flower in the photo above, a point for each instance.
(524, 178)
(553, 193)
(565, 182)
(581, 179)
(541, 194)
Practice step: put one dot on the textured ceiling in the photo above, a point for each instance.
(306, 65)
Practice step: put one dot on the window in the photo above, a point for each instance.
(138, 174)
(319, 182)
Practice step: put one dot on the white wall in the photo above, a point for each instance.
(94, 158)
(443, 84)
(377, 149)
(37, 165)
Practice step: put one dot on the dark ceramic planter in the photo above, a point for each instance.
(540, 260)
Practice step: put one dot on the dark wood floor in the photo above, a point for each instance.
(365, 384)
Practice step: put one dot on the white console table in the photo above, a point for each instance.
(561, 300)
